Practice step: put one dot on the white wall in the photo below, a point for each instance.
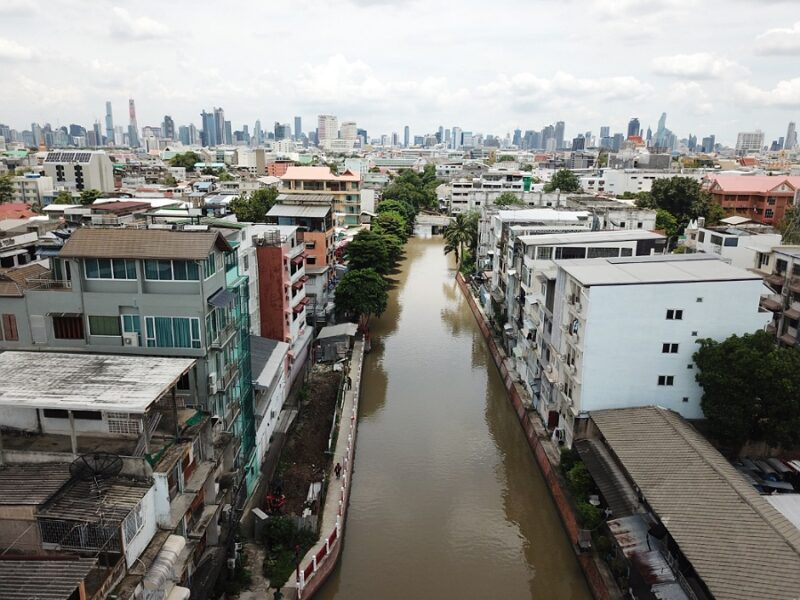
(139, 543)
(626, 327)
(19, 418)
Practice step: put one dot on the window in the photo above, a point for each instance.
(9, 332)
(694, 334)
(690, 366)
(109, 326)
(68, 328)
(602, 253)
(183, 383)
(545, 253)
(780, 265)
(639, 225)
(716, 239)
(171, 270)
(666, 379)
(669, 348)
(131, 324)
(674, 314)
(626, 252)
(701, 236)
(133, 523)
(566, 253)
(108, 268)
(85, 415)
(311, 260)
(686, 398)
(699, 299)
(622, 224)
(796, 269)
(172, 332)
(210, 266)
(245, 264)
(732, 242)
(769, 213)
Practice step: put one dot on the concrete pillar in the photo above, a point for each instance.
(73, 437)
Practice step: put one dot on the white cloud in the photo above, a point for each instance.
(690, 96)
(785, 94)
(783, 40)
(702, 65)
(13, 52)
(127, 26)
(18, 8)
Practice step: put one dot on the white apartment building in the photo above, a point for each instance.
(31, 188)
(349, 131)
(749, 141)
(533, 260)
(621, 332)
(79, 171)
(615, 182)
(469, 193)
(327, 129)
(737, 240)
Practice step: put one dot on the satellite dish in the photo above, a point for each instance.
(96, 466)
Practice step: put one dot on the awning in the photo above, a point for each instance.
(300, 282)
(770, 304)
(788, 339)
(222, 298)
(792, 314)
(64, 314)
(298, 260)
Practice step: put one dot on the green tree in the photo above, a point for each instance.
(508, 199)
(87, 197)
(460, 235)
(666, 222)
(64, 197)
(394, 247)
(391, 222)
(415, 189)
(367, 250)
(223, 175)
(170, 181)
(361, 294)
(404, 208)
(506, 158)
(564, 180)
(253, 207)
(527, 167)
(186, 160)
(684, 198)
(751, 390)
(790, 226)
(6, 189)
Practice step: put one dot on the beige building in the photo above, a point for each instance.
(345, 189)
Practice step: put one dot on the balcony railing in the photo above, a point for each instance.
(48, 284)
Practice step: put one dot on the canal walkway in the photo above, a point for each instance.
(318, 562)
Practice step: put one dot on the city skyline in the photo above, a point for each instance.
(736, 76)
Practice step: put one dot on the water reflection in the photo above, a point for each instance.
(447, 499)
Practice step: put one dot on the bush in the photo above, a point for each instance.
(569, 457)
(280, 538)
(589, 515)
(579, 481)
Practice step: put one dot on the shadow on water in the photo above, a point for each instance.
(447, 499)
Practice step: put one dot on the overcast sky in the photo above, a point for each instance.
(715, 66)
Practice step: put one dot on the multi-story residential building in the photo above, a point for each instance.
(736, 240)
(615, 182)
(749, 141)
(780, 267)
(17, 243)
(621, 332)
(532, 261)
(327, 129)
(154, 292)
(614, 214)
(312, 214)
(762, 198)
(344, 188)
(31, 188)
(469, 193)
(125, 473)
(78, 171)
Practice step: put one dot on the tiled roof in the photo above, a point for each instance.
(756, 184)
(13, 281)
(738, 544)
(143, 243)
(16, 210)
(43, 579)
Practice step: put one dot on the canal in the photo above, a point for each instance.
(447, 499)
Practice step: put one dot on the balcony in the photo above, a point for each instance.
(224, 336)
(775, 280)
(771, 304)
(48, 283)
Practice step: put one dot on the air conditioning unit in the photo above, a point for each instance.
(130, 339)
(560, 386)
(579, 307)
(232, 563)
(212, 384)
(534, 345)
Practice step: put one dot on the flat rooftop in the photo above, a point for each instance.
(87, 381)
(543, 214)
(641, 270)
(589, 237)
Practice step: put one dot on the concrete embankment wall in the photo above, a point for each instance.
(535, 433)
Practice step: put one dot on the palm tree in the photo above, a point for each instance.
(463, 231)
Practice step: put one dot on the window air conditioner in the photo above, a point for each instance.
(212, 384)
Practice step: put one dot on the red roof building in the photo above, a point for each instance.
(15, 210)
(762, 198)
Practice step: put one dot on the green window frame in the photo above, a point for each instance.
(210, 266)
(109, 268)
(108, 326)
(171, 270)
(172, 332)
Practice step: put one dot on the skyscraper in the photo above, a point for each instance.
(349, 130)
(98, 135)
(559, 134)
(109, 125)
(133, 127)
(227, 132)
(406, 136)
(327, 129)
(219, 126)
(168, 128)
(456, 138)
(183, 135)
(281, 131)
(209, 124)
(709, 143)
(633, 127)
(662, 132)
(298, 128)
(791, 137)
(605, 131)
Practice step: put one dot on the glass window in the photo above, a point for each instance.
(68, 328)
(192, 271)
(731, 241)
(130, 269)
(104, 265)
(119, 269)
(106, 268)
(165, 270)
(102, 325)
(545, 252)
(91, 269)
(172, 332)
(151, 269)
(179, 270)
(131, 324)
(210, 266)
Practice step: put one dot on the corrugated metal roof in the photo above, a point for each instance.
(737, 543)
(143, 243)
(42, 579)
(110, 500)
(266, 357)
(31, 483)
(330, 331)
(287, 198)
(299, 211)
(87, 381)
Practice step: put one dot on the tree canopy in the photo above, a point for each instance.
(790, 226)
(367, 250)
(564, 180)
(253, 207)
(751, 390)
(508, 199)
(461, 236)
(505, 158)
(415, 189)
(408, 212)
(392, 223)
(64, 197)
(186, 160)
(666, 222)
(87, 197)
(360, 294)
(684, 199)
(6, 189)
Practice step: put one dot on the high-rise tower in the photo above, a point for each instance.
(133, 127)
(109, 125)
